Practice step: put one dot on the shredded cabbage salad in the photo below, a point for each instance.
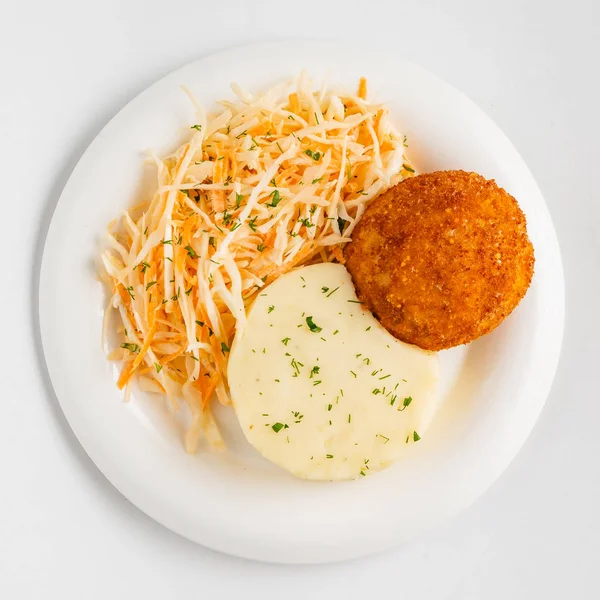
(268, 183)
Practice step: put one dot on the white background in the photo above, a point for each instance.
(67, 67)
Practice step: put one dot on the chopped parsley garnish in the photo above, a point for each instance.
(336, 332)
(131, 347)
(384, 377)
(271, 308)
(341, 224)
(150, 284)
(329, 455)
(317, 180)
(383, 437)
(260, 247)
(238, 200)
(355, 301)
(285, 341)
(333, 291)
(201, 323)
(252, 223)
(313, 155)
(191, 252)
(349, 418)
(314, 371)
(130, 290)
(276, 199)
(353, 373)
(408, 168)
(416, 436)
(145, 266)
(311, 325)
(158, 367)
(224, 347)
(196, 127)
(277, 427)
(306, 222)
(329, 406)
(324, 289)
(317, 382)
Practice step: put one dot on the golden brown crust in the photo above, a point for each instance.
(442, 258)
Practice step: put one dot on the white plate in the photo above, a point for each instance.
(236, 502)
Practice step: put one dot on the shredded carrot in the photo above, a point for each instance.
(362, 88)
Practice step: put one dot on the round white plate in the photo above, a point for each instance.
(236, 502)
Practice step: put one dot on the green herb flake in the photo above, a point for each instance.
(306, 222)
(285, 341)
(271, 308)
(277, 427)
(158, 367)
(191, 252)
(312, 326)
(224, 347)
(416, 436)
(150, 284)
(196, 127)
(276, 199)
(131, 347)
